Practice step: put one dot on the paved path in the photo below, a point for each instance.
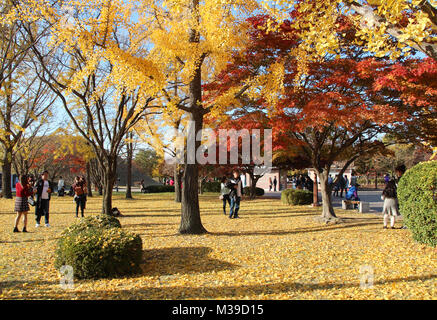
(373, 197)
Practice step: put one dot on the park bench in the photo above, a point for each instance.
(363, 207)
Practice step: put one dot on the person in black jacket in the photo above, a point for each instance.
(235, 185)
(43, 191)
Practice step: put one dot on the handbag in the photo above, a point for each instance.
(31, 201)
(221, 197)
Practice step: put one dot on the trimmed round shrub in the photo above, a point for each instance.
(159, 189)
(417, 195)
(101, 221)
(296, 197)
(212, 186)
(100, 253)
(258, 191)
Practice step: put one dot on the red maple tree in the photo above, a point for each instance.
(329, 114)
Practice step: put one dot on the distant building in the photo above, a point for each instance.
(263, 182)
(335, 170)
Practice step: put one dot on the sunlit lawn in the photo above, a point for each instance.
(273, 252)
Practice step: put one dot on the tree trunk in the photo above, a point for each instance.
(129, 170)
(109, 177)
(129, 180)
(177, 184)
(315, 192)
(376, 180)
(190, 212)
(201, 186)
(327, 208)
(7, 174)
(88, 179)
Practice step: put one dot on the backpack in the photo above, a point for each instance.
(115, 212)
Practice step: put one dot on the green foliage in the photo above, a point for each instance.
(213, 186)
(417, 194)
(296, 197)
(159, 189)
(147, 160)
(97, 247)
(258, 191)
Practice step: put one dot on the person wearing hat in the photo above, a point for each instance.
(43, 191)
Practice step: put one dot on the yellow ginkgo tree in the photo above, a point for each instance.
(386, 27)
(25, 101)
(141, 45)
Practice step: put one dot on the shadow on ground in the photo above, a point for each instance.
(180, 260)
(230, 291)
(351, 224)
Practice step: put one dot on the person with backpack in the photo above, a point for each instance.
(389, 195)
(80, 191)
(23, 191)
(224, 194)
(235, 194)
(352, 194)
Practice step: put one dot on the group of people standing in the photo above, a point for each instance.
(27, 189)
(231, 191)
(342, 185)
(38, 193)
(302, 182)
(272, 183)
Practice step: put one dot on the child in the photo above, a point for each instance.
(389, 195)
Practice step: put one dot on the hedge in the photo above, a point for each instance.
(296, 197)
(258, 191)
(212, 186)
(417, 195)
(97, 247)
(159, 189)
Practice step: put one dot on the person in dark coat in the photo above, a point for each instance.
(43, 194)
(342, 184)
(235, 194)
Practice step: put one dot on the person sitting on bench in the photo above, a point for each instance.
(352, 194)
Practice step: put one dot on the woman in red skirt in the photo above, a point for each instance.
(23, 190)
